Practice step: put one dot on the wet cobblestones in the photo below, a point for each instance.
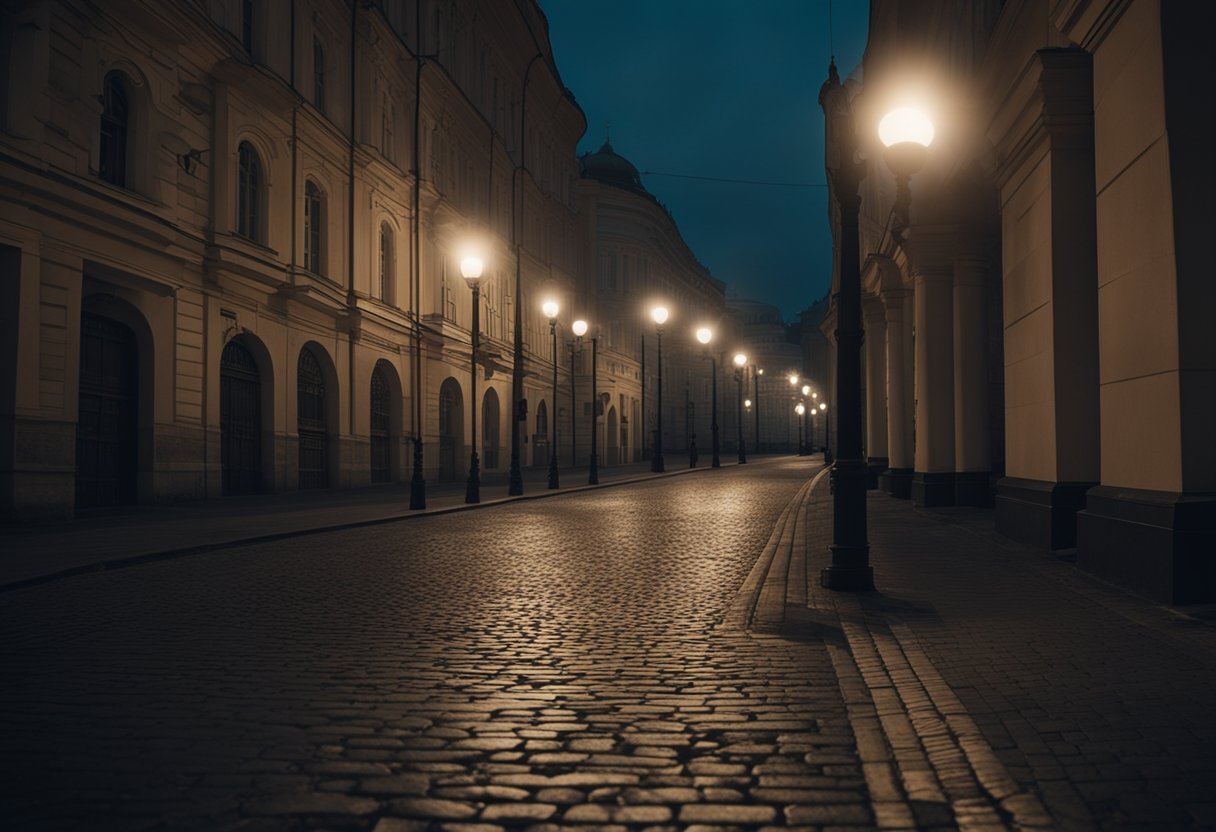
(540, 664)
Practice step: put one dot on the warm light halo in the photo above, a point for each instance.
(705, 335)
(550, 308)
(747, 402)
(806, 390)
(740, 359)
(793, 379)
(800, 408)
(905, 124)
(579, 328)
(823, 406)
(471, 267)
(659, 315)
(759, 371)
(814, 395)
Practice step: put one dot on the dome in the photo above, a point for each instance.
(604, 165)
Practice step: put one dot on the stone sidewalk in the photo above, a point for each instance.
(994, 685)
(33, 554)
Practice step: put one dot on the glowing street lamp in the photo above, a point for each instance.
(659, 315)
(800, 409)
(550, 308)
(827, 432)
(906, 134)
(470, 269)
(579, 328)
(740, 363)
(705, 335)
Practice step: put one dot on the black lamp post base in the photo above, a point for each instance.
(515, 480)
(847, 578)
(553, 473)
(656, 464)
(593, 474)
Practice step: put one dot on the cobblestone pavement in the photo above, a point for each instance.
(560, 661)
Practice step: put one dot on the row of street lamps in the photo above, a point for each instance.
(471, 268)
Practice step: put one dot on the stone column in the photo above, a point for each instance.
(1044, 137)
(972, 449)
(876, 389)
(897, 479)
(932, 276)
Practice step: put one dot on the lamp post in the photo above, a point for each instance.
(793, 379)
(550, 308)
(756, 395)
(659, 315)
(740, 363)
(593, 469)
(705, 335)
(579, 328)
(800, 409)
(470, 269)
(810, 442)
(827, 433)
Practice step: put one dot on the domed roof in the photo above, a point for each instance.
(604, 165)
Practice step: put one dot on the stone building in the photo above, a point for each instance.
(230, 235)
(637, 260)
(1039, 322)
(772, 424)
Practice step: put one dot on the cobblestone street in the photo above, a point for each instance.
(557, 660)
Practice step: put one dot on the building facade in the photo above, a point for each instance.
(773, 425)
(1034, 322)
(230, 236)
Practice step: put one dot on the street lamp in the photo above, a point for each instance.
(579, 328)
(800, 409)
(906, 133)
(810, 442)
(827, 433)
(471, 268)
(550, 308)
(593, 469)
(756, 394)
(659, 315)
(705, 335)
(740, 363)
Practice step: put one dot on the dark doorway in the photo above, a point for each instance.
(106, 439)
(240, 421)
(310, 409)
(489, 430)
(381, 420)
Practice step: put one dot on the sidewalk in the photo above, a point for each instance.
(133, 534)
(991, 684)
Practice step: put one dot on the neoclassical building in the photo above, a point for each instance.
(230, 234)
(636, 260)
(1038, 327)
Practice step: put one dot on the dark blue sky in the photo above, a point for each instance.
(719, 89)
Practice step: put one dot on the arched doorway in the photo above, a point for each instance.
(240, 421)
(311, 422)
(540, 439)
(614, 437)
(489, 430)
(107, 449)
(381, 426)
(451, 429)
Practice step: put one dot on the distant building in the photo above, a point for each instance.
(772, 425)
(1040, 322)
(636, 260)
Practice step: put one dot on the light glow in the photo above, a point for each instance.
(550, 308)
(806, 390)
(705, 335)
(800, 408)
(747, 402)
(659, 315)
(740, 359)
(470, 267)
(579, 328)
(905, 124)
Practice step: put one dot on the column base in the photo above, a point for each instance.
(847, 578)
(1160, 544)
(875, 465)
(1040, 513)
(897, 482)
(971, 488)
(933, 488)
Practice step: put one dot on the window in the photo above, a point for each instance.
(115, 115)
(449, 293)
(247, 25)
(248, 193)
(383, 287)
(314, 224)
(318, 74)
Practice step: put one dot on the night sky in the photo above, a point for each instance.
(719, 89)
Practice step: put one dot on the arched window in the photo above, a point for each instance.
(318, 74)
(115, 115)
(249, 193)
(383, 288)
(314, 224)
